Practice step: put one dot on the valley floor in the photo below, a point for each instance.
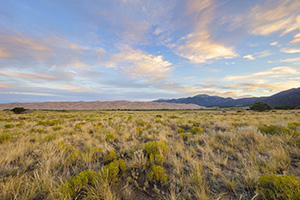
(221, 154)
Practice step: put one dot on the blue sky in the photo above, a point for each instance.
(71, 50)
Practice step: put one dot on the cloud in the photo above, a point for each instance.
(72, 87)
(141, 64)
(260, 76)
(200, 46)
(29, 76)
(297, 39)
(259, 55)
(4, 54)
(274, 43)
(290, 50)
(249, 57)
(290, 60)
(275, 16)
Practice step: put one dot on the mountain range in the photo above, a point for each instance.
(289, 97)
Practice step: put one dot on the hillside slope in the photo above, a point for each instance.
(289, 97)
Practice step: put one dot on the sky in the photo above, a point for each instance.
(141, 50)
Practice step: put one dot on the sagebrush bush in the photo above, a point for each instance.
(196, 130)
(185, 136)
(156, 159)
(114, 170)
(157, 174)
(5, 137)
(110, 137)
(110, 156)
(279, 187)
(273, 130)
(77, 185)
(156, 147)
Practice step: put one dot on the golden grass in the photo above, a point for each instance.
(222, 158)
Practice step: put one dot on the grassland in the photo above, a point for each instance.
(149, 154)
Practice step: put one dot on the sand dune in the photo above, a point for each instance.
(95, 105)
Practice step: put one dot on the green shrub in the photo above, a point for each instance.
(185, 136)
(236, 124)
(95, 152)
(268, 129)
(260, 106)
(56, 128)
(49, 138)
(273, 130)
(18, 110)
(5, 137)
(9, 126)
(156, 159)
(140, 123)
(173, 117)
(180, 130)
(114, 170)
(76, 186)
(110, 137)
(139, 130)
(279, 187)
(110, 156)
(74, 157)
(157, 174)
(196, 130)
(50, 122)
(294, 126)
(156, 147)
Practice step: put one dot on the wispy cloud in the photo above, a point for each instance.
(258, 55)
(290, 60)
(296, 38)
(275, 16)
(249, 57)
(200, 46)
(290, 50)
(140, 64)
(4, 54)
(271, 73)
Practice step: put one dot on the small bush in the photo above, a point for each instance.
(110, 156)
(74, 158)
(5, 137)
(294, 126)
(9, 126)
(268, 129)
(139, 129)
(157, 174)
(273, 130)
(180, 130)
(75, 187)
(95, 153)
(50, 122)
(114, 170)
(185, 136)
(156, 159)
(279, 187)
(110, 137)
(156, 147)
(18, 110)
(260, 106)
(140, 123)
(196, 130)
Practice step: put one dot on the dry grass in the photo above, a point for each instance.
(42, 151)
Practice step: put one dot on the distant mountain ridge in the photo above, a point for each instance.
(289, 97)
